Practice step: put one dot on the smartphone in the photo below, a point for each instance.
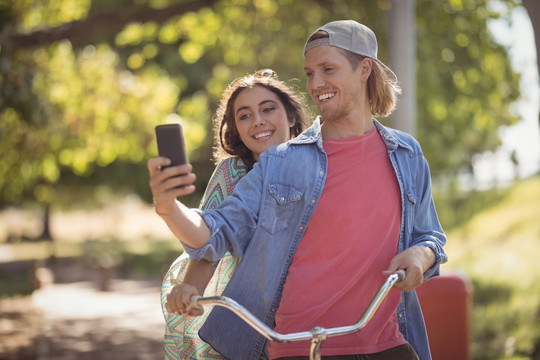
(170, 143)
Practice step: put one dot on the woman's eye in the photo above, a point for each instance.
(243, 116)
(268, 109)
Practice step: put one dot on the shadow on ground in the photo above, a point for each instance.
(79, 321)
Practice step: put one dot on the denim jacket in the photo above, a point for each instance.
(264, 220)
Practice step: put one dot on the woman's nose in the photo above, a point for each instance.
(259, 119)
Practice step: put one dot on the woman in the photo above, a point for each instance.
(256, 112)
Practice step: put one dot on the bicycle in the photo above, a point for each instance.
(316, 335)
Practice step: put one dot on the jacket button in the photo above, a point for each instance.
(301, 228)
(313, 201)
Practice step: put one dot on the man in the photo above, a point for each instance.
(320, 219)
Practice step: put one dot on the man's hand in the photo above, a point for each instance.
(415, 261)
(168, 183)
(178, 300)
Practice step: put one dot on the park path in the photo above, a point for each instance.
(80, 322)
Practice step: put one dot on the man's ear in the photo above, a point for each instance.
(365, 68)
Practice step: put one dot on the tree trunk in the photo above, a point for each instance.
(79, 32)
(533, 8)
(46, 232)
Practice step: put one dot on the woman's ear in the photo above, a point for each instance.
(291, 120)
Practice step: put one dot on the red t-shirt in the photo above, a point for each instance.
(349, 242)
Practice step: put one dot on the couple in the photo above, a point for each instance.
(321, 219)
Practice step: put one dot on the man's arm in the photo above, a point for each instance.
(425, 252)
(168, 183)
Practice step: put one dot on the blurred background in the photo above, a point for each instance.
(83, 83)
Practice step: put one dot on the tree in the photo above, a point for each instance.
(79, 101)
(466, 85)
(69, 107)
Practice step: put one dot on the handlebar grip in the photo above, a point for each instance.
(401, 275)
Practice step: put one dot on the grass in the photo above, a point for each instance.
(498, 249)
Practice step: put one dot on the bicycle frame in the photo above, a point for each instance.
(316, 335)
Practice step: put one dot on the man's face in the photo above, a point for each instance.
(334, 86)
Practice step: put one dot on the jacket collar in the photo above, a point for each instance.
(391, 137)
(310, 135)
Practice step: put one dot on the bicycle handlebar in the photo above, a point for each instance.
(317, 334)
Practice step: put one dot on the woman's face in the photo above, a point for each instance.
(261, 119)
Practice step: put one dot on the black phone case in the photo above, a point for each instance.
(170, 142)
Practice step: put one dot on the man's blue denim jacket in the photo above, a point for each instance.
(263, 222)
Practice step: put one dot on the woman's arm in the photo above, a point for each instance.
(198, 275)
(168, 183)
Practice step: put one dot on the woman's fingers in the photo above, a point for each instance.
(179, 300)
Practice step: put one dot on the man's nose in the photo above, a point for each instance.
(317, 81)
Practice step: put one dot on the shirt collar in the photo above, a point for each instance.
(313, 135)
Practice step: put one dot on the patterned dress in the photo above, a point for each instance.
(181, 332)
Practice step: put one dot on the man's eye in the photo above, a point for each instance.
(309, 74)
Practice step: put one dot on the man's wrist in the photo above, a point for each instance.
(164, 213)
(430, 257)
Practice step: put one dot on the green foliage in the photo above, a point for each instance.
(466, 85)
(40, 14)
(456, 207)
(97, 115)
(75, 108)
(139, 258)
(497, 248)
(14, 284)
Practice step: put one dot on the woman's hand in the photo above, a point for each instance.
(178, 300)
(168, 183)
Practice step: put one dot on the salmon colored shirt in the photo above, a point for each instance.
(350, 240)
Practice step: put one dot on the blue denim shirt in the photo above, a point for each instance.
(264, 220)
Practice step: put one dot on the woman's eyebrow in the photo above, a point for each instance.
(242, 108)
(267, 101)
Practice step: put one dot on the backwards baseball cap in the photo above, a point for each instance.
(352, 36)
